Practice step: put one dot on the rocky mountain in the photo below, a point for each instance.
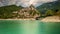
(13, 12)
(44, 10)
(27, 12)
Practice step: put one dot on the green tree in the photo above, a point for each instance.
(6, 11)
(49, 13)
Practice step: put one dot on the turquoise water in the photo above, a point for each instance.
(28, 27)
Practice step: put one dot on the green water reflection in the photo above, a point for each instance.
(28, 27)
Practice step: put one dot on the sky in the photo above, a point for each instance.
(24, 3)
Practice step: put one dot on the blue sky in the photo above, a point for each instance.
(24, 3)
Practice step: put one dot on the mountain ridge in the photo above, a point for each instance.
(50, 5)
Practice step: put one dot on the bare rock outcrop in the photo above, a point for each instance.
(51, 19)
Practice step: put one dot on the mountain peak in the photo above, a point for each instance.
(31, 5)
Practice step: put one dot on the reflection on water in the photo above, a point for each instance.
(28, 27)
(18, 27)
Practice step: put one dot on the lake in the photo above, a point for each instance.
(28, 27)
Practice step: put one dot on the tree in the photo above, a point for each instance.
(49, 13)
(6, 11)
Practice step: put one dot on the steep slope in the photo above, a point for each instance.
(28, 12)
(6, 11)
(13, 12)
(47, 6)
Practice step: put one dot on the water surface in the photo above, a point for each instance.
(28, 27)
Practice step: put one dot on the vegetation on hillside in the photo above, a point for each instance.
(45, 10)
(49, 9)
(6, 11)
(13, 12)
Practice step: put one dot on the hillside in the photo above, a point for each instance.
(41, 12)
(6, 11)
(14, 12)
(49, 6)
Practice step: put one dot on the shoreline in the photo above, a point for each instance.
(51, 19)
(47, 19)
(17, 19)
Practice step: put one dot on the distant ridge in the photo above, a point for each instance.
(51, 5)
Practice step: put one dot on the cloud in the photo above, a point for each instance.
(7, 2)
(39, 2)
(24, 3)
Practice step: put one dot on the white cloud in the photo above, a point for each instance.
(39, 2)
(1, 4)
(24, 2)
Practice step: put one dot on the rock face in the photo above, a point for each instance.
(28, 12)
(51, 19)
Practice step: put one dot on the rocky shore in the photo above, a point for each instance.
(51, 19)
